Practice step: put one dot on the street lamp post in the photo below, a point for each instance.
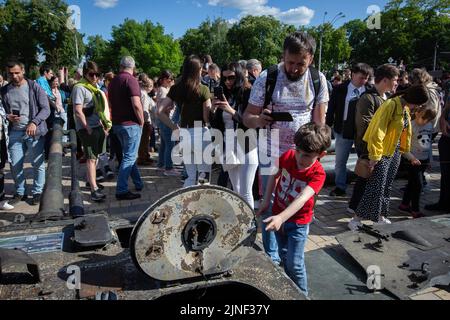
(74, 33)
(336, 18)
(321, 38)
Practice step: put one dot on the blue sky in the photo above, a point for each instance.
(177, 16)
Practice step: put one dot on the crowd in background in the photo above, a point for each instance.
(383, 112)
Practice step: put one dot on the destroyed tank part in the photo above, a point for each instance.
(193, 232)
(411, 237)
(92, 230)
(52, 201)
(406, 268)
(76, 206)
(334, 275)
(16, 258)
(113, 270)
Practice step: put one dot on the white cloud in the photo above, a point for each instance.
(106, 4)
(296, 16)
(196, 3)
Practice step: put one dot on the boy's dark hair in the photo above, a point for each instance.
(300, 42)
(14, 63)
(427, 113)
(363, 68)
(386, 71)
(313, 138)
(43, 69)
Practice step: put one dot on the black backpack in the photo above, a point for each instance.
(272, 74)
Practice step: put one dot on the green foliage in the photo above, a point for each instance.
(209, 38)
(34, 28)
(409, 31)
(145, 42)
(261, 38)
(335, 46)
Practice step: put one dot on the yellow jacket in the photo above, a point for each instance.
(385, 130)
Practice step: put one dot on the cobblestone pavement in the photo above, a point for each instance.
(331, 217)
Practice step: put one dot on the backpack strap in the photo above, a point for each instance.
(271, 81)
(316, 82)
(272, 74)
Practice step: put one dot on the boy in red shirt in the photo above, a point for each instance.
(299, 177)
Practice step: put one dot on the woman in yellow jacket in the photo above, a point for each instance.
(388, 136)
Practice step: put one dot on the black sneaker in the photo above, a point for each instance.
(109, 173)
(35, 200)
(100, 186)
(128, 196)
(338, 193)
(16, 199)
(100, 177)
(97, 196)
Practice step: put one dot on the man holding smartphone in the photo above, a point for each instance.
(293, 91)
(27, 107)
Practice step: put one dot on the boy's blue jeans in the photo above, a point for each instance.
(291, 243)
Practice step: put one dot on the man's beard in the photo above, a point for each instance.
(291, 78)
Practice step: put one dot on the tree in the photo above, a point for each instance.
(98, 50)
(261, 38)
(409, 31)
(30, 29)
(151, 48)
(209, 38)
(336, 48)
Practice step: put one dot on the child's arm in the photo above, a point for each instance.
(411, 158)
(274, 223)
(268, 193)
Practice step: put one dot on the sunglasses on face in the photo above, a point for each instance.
(231, 78)
(93, 74)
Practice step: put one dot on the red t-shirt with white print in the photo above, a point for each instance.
(292, 182)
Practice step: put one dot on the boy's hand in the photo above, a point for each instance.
(416, 162)
(274, 223)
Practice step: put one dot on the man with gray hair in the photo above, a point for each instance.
(254, 68)
(128, 118)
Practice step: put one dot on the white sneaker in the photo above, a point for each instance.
(354, 224)
(351, 211)
(6, 206)
(383, 221)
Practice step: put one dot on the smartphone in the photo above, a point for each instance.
(16, 113)
(218, 93)
(281, 117)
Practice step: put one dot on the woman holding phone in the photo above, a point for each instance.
(240, 158)
(194, 100)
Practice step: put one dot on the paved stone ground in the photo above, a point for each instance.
(331, 215)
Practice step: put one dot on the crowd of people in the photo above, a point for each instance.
(384, 114)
